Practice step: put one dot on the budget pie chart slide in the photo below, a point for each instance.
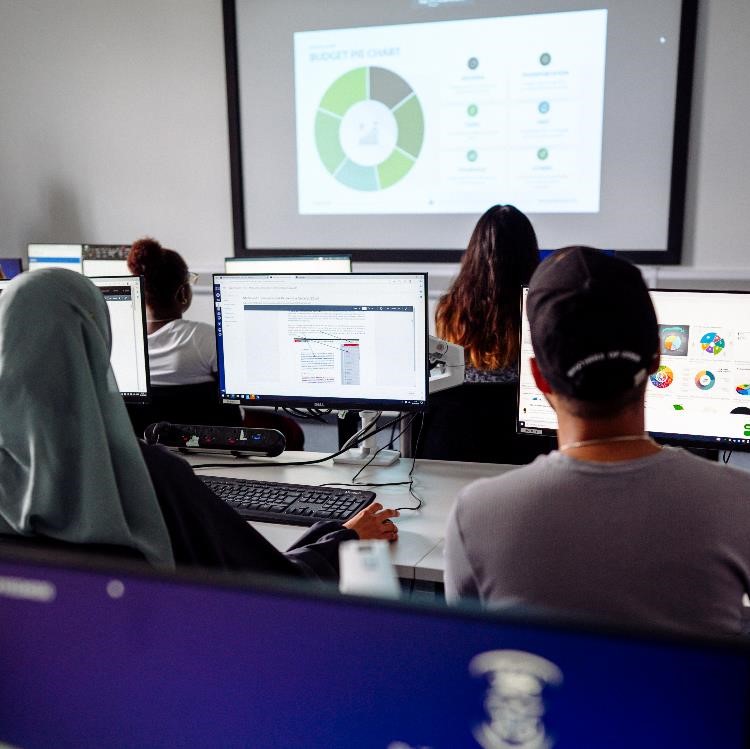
(743, 389)
(663, 377)
(369, 129)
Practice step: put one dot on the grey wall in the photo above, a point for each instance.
(113, 125)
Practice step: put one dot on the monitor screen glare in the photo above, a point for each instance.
(323, 341)
(700, 393)
(321, 264)
(55, 256)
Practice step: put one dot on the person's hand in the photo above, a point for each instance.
(374, 523)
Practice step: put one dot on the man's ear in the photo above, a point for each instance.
(654, 363)
(539, 380)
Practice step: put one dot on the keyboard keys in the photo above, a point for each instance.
(292, 504)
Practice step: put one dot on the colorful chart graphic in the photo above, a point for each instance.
(712, 343)
(369, 128)
(663, 377)
(705, 380)
(743, 389)
(673, 342)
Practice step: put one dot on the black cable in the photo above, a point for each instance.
(726, 455)
(269, 464)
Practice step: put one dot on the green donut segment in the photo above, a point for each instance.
(327, 141)
(345, 91)
(359, 177)
(396, 166)
(377, 84)
(387, 87)
(410, 126)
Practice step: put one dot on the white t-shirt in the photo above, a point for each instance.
(182, 352)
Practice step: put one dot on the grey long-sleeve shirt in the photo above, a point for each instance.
(662, 540)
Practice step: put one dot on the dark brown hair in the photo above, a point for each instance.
(164, 271)
(481, 311)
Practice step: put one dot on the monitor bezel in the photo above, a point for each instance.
(135, 398)
(325, 403)
(692, 441)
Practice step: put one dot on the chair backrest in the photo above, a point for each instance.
(184, 404)
(54, 545)
(476, 422)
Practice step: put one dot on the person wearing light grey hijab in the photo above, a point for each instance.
(70, 466)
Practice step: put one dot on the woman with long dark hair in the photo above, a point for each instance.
(481, 310)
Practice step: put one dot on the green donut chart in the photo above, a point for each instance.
(369, 128)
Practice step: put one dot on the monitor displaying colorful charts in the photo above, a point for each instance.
(700, 394)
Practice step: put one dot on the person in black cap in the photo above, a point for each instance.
(611, 524)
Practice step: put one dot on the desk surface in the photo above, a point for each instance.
(418, 551)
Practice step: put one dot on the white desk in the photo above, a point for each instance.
(418, 552)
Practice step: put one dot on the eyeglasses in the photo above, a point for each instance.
(192, 278)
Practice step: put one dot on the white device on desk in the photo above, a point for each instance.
(447, 365)
(366, 569)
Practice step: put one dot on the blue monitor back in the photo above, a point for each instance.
(91, 657)
(11, 266)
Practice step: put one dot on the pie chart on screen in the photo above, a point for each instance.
(663, 377)
(743, 389)
(705, 380)
(712, 343)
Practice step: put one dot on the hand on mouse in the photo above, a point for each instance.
(374, 522)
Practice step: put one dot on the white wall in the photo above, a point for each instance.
(113, 125)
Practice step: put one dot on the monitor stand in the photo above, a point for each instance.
(364, 453)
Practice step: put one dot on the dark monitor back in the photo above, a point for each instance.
(91, 657)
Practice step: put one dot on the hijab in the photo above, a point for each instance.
(70, 465)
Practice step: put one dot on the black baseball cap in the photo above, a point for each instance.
(593, 325)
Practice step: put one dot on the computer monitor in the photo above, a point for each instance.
(103, 654)
(127, 314)
(301, 264)
(55, 256)
(105, 260)
(11, 266)
(700, 396)
(342, 341)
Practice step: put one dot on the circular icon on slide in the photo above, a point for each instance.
(369, 128)
(663, 377)
(705, 380)
(712, 343)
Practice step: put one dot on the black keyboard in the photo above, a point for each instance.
(291, 504)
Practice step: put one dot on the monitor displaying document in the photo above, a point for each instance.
(354, 341)
(55, 256)
(700, 395)
(127, 315)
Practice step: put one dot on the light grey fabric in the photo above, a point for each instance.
(70, 466)
(662, 540)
